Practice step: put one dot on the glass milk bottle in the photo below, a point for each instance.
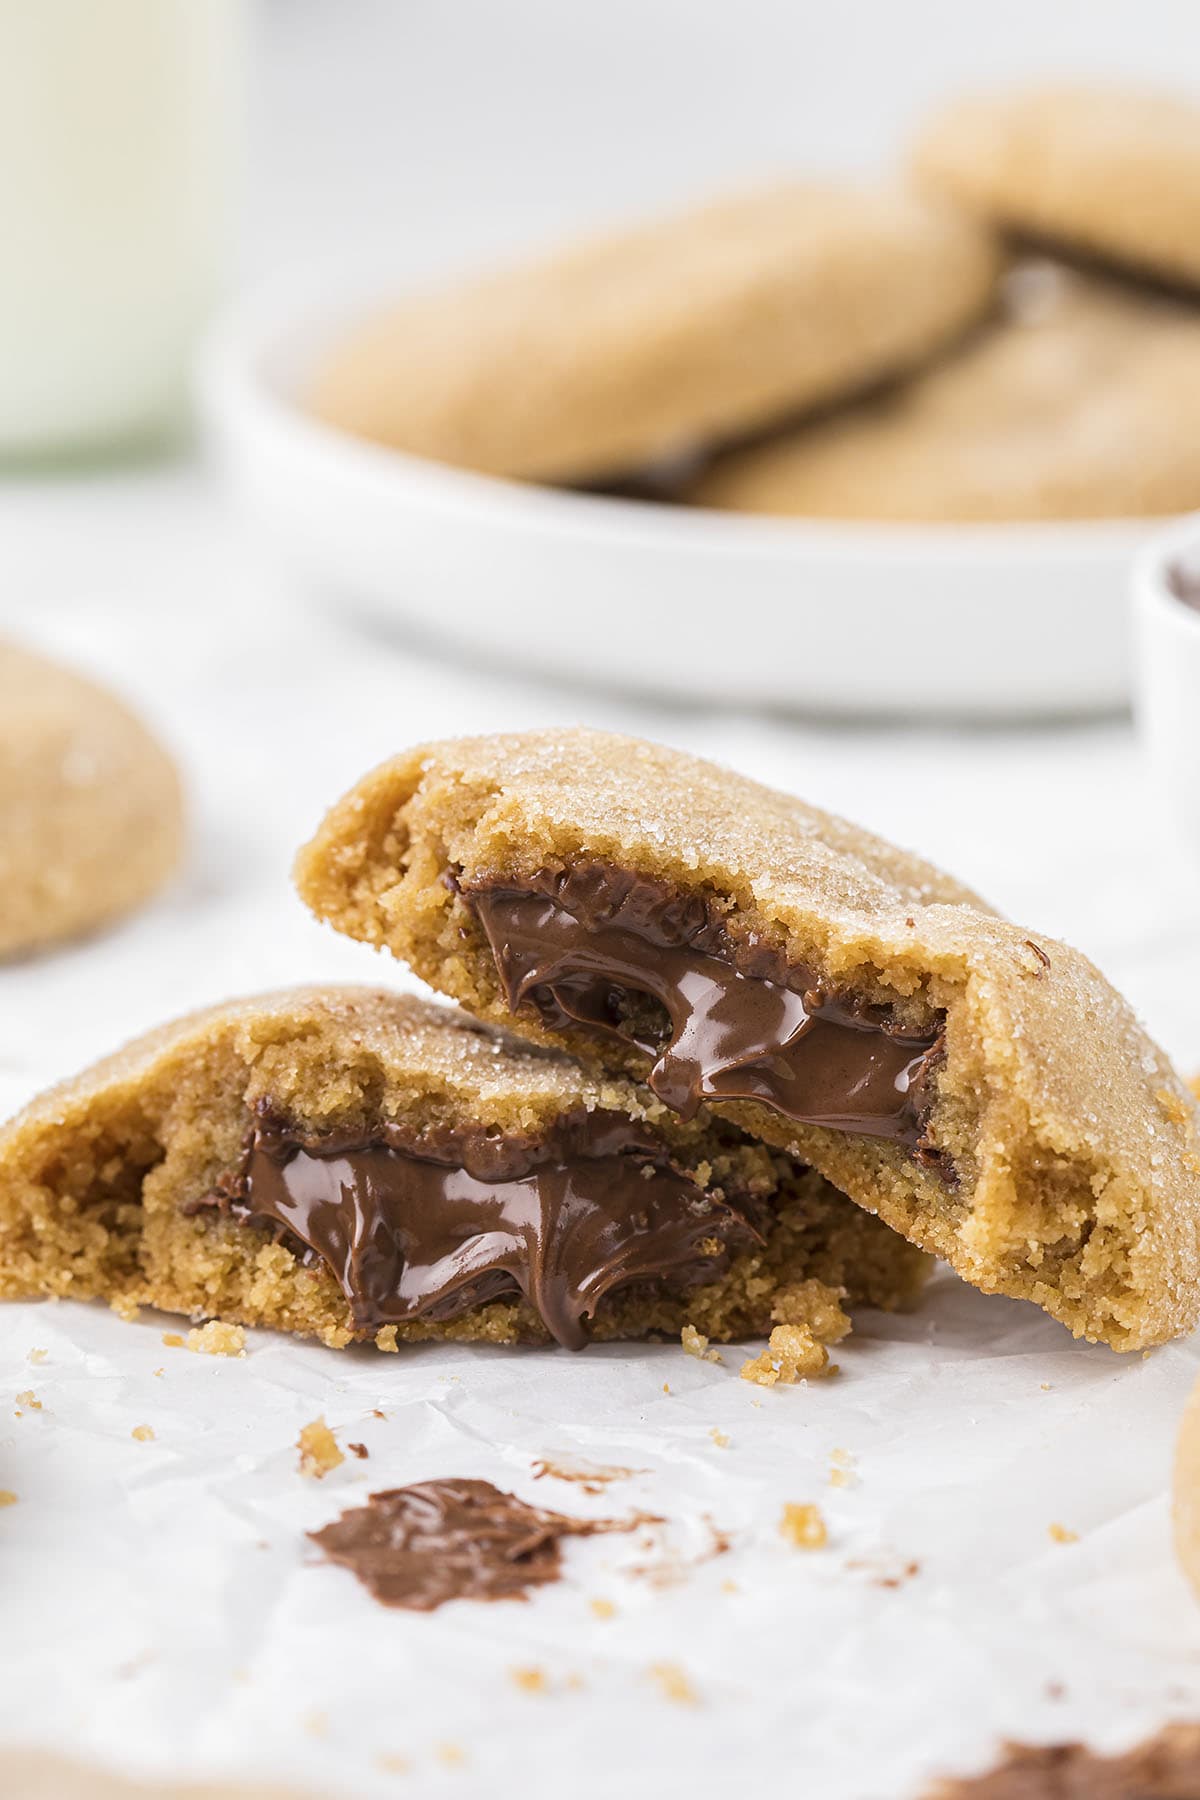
(119, 126)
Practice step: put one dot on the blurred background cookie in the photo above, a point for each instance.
(35, 1775)
(626, 349)
(1079, 402)
(1108, 171)
(91, 815)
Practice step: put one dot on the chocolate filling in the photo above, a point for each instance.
(725, 1021)
(420, 1546)
(432, 1229)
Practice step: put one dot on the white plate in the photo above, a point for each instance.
(979, 621)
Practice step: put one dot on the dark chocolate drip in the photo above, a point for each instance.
(592, 950)
(412, 1233)
(420, 1546)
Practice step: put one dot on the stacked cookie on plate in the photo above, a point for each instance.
(732, 1063)
(1016, 336)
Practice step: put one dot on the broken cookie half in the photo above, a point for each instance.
(984, 1090)
(355, 1165)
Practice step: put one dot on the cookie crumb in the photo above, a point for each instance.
(36, 1356)
(673, 1683)
(792, 1354)
(451, 1756)
(359, 1450)
(217, 1339)
(666, 1387)
(385, 1339)
(29, 1400)
(1062, 1534)
(602, 1608)
(318, 1450)
(697, 1345)
(842, 1472)
(390, 1764)
(719, 1438)
(803, 1526)
(125, 1308)
(730, 1587)
(172, 1340)
(7, 1497)
(158, 1371)
(530, 1679)
(143, 1433)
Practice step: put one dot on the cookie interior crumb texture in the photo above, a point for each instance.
(91, 813)
(217, 1338)
(1107, 170)
(1057, 1159)
(100, 1179)
(621, 352)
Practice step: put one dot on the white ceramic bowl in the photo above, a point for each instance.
(982, 622)
(1167, 690)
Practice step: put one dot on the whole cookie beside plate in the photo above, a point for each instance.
(91, 812)
(629, 349)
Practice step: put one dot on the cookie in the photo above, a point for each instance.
(38, 1775)
(981, 1087)
(1076, 404)
(1163, 1767)
(91, 815)
(354, 1165)
(627, 350)
(1186, 1491)
(1109, 172)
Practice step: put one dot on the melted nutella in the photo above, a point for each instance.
(433, 1230)
(741, 1025)
(420, 1546)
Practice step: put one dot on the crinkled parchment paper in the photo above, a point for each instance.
(165, 1610)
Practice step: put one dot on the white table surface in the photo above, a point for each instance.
(143, 1625)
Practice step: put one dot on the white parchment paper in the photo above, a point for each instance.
(162, 1608)
(173, 1616)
